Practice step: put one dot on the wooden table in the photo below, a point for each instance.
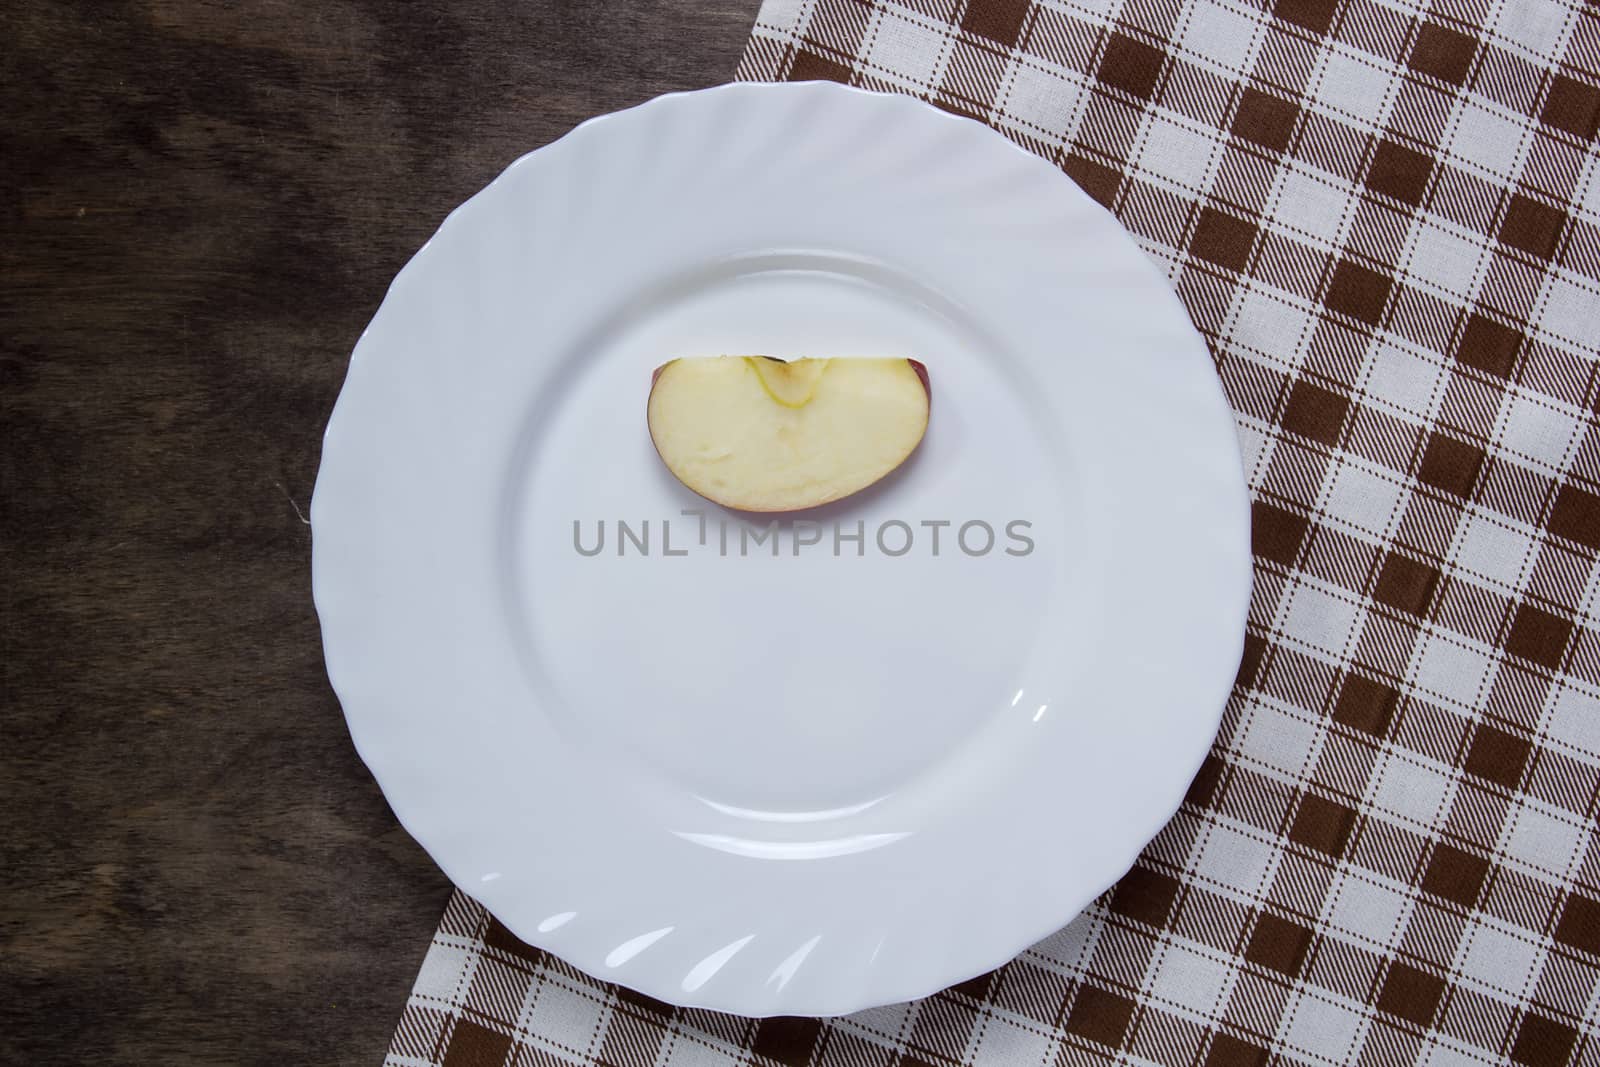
(204, 203)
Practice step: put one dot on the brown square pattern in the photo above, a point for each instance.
(1229, 1051)
(1405, 584)
(1203, 789)
(1278, 944)
(1265, 119)
(1539, 636)
(1365, 705)
(1399, 171)
(1322, 824)
(1131, 65)
(998, 20)
(1532, 226)
(1579, 925)
(1314, 15)
(473, 1045)
(1145, 895)
(1276, 533)
(1498, 756)
(1410, 993)
(498, 937)
(1093, 177)
(787, 1040)
(1488, 345)
(1572, 106)
(814, 66)
(1359, 292)
(1455, 875)
(1443, 52)
(1450, 465)
(1100, 1015)
(977, 987)
(1223, 239)
(1255, 654)
(1315, 412)
(1543, 1042)
(1576, 516)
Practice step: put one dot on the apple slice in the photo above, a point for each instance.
(759, 434)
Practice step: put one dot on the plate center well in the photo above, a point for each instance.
(806, 664)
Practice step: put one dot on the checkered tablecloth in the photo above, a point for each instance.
(1384, 217)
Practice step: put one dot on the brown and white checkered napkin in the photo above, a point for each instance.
(1384, 217)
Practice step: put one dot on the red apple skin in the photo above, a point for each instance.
(927, 386)
(917, 366)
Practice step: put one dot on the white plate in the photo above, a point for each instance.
(796, 784)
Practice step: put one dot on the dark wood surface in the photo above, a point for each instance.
(203, 205)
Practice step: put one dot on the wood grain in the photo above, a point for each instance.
(203, 205)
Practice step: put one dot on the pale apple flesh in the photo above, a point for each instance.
(759, 434)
